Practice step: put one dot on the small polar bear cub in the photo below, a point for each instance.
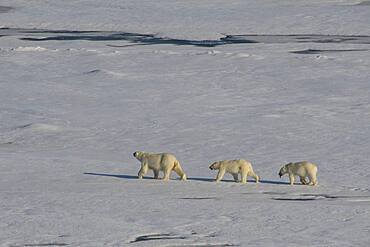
(234, 167)
(302, 169)
(159, 162)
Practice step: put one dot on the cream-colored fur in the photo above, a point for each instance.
(302, 169)
(159, 162)
(234, 167)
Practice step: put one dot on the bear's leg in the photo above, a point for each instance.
(255, 176)
(236, 177)
(220, 175)
(244, 177)
(178, 169)
(303, 180)
(313, 180)
(291, 179)
(156, 173)
(167, 174)
(143, 170)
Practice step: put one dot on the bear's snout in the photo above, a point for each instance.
(134, 154)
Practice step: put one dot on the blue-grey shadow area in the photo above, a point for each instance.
(201, 179)
(160, 236)
(135, 38)
(45, 244)
(213, 180)
(295, 199)
(123, 176)
(114, 175)
(262, 181)
(279, 182)
(317, 51)
(153, 39)
(5, 9)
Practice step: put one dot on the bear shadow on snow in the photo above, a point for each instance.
(113, 175)
(208, 179)
(262, 181)
(125, 176)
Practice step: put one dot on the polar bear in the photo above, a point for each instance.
(302, 169)
(234, 167)
(159, 162)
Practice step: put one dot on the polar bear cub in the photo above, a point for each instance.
(234, 167)
(302, 169)
(159, 162)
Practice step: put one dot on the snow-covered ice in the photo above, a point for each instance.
(84, 84)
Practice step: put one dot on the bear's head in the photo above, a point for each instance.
(284, 169)
(215, 166)
(137, 154)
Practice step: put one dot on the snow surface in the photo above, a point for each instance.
(183, 77)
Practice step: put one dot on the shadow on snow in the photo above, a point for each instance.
(124, 176)
(152, 39)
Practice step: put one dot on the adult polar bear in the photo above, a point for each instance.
(302, 169)
(159, 162)
(234, 167)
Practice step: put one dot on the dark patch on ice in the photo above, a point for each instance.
(47, 244)
(64, 236)
(5, 9)
(8, 143)
(299, 38)
(312, 197)
(152, 39)
(95, 71)
(23, 126)
(294, 199)
(199, 198)
(159, 236)
(122, 46)
(326, 196)
(212, 235)
(143, 39)
(315, 51)
(274, 193)
(364, 3)
(321, 195)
